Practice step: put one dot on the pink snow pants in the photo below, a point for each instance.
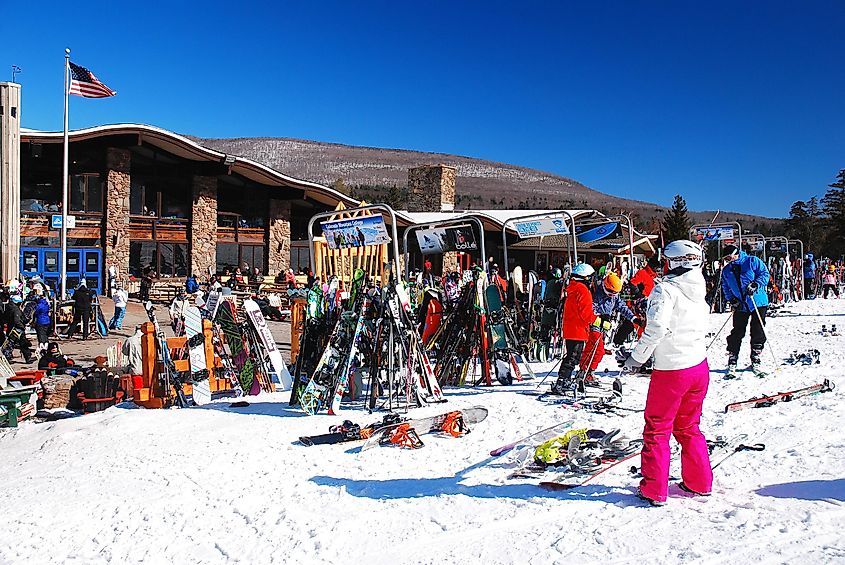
(673, 407)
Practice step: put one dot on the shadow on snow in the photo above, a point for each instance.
(826, 490)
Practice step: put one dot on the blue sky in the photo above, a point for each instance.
(735, 105)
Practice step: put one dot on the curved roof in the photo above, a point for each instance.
(186, 148)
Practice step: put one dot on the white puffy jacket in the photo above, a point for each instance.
(677, 323)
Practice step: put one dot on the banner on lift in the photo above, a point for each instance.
(357, 232)
(542, 226)
(714, 233)
(443, 240)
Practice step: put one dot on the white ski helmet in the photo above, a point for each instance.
(582, 270)
(683, 253)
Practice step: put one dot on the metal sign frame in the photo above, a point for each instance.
(572, 250)
(382, 207)
(450, 223)
(756, 236)
(616, 218)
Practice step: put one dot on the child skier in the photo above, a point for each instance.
(606, 302)
(829, 282)
(578, 314)
(675, 335)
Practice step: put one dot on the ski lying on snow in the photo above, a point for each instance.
(770, 400)
(535, 438)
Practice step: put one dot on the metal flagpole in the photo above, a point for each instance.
(63, 254)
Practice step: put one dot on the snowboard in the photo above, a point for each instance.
(227, 317)
(430, 424)
(516, 278)
(196, 355)
(770, 400)
(280, 375)
(102, 326)
(211, 304)
(352, 361)
(533, 439)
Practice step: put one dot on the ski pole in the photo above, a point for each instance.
(763, 329)
(552, 370)
(715, 337)
(738, 448)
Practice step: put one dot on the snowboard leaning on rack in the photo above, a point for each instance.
(196, 355)
(281, 376)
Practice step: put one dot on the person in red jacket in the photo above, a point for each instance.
(578, 314)
(643, 279)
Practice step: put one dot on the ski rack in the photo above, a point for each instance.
(457, 221)
(383, 207)
(571, 252)
(738, 227)
(800, 274)
(757, 236)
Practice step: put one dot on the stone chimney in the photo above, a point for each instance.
(431, 188)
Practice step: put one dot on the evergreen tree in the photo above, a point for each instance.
(676, 221)
(395, 199)
(340, 186)
(834, 208)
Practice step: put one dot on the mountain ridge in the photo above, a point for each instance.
(480, 183)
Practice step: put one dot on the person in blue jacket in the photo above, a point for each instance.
(809, 275)
(41, 319)
(744, 280)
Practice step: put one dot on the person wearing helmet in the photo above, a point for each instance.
(578, 314)
(642, 283)
(809, 275)
(12, 317)
(829, 282)
(54, 360)
(606, 303)
(675, 337)
(744, 281)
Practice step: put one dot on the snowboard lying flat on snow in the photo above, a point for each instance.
(430, 424)
(281, 376)
(196, 354)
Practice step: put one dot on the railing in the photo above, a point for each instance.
(161, 229)
(37, 224)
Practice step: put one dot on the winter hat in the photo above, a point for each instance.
(730, 251)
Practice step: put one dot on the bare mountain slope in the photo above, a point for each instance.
(480, 183)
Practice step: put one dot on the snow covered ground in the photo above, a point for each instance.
(219, 484)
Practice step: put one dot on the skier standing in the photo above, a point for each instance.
(13, 318)
(809, 275)
(642, 283)
(829, 282)
(744, 280)
(606, 302)
(675, 336)
(81, 310)
(578, 314)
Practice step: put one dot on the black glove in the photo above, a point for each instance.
(734, 302)
(638, 322)
(751, 288)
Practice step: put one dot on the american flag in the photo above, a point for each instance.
(84, 83)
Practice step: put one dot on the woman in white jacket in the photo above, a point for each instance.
(675, 335)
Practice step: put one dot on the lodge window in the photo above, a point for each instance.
(166, 259)
(231, 255)
(162, 198)
(85, 193)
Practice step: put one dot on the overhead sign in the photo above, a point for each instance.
(442, 240)
(755, 245)
(714, 233)
(542, 226)
(776, 246)
(586, 234)
(56, 222)
(357, 232)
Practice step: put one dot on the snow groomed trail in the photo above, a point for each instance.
(218, 484)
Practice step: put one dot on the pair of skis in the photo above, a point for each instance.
(772, 399)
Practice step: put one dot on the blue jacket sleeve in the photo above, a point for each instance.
(727, 289)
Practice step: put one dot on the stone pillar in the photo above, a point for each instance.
(431, 188)
(10, 180)
(204, 226)
(278, 240)
(118, 162)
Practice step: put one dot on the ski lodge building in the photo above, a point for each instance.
(142, 196)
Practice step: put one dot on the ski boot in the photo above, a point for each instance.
(833, 330)
(564, 384)
(730, 373)
(756, 368)
(591, 380)
(824, 330)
